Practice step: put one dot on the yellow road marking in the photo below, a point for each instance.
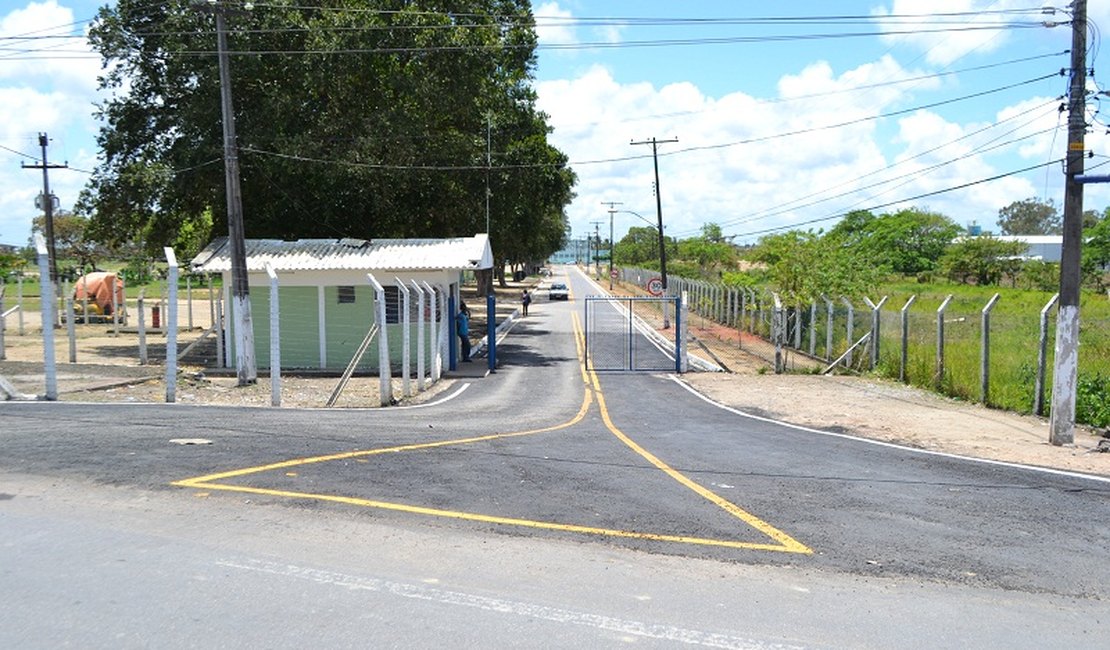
(208, 479)
(785, 543)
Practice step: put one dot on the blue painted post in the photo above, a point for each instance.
(452, 335)
(491, 330)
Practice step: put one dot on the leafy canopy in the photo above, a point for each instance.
(355, 118)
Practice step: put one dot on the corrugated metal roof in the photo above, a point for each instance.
(469, 253)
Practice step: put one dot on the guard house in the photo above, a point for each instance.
(326, 302)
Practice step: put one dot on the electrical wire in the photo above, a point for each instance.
(880, 206)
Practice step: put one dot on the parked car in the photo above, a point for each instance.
(558, 291)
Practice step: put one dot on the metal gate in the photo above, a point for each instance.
(622, 333)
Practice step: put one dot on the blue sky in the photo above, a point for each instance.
(879, 121)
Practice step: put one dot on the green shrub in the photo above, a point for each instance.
(1092, 402)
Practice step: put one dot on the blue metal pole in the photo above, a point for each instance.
(491, 330)
(453, 334)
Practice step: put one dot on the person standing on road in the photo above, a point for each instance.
(525, 300)
(462, 328)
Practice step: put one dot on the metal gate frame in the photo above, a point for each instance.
(636, 325)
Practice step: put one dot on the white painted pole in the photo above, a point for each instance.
(71, 330)
(171, 327)
(275, 338)
(142, 327)
(406, 385)
(20, 303)
(189, 299)
(385, 373)
(3, 322)
(437, 349)
(47, 300)
(419, 336)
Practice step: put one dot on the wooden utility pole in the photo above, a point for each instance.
(612, 210)
(245, 366)
(659, 214)
(48, 207)
(1066, 365)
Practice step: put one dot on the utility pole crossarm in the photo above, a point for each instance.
(48, 206)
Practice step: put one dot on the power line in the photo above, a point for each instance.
(880, 206)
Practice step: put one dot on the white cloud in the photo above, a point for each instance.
(47, 94)
(946, 39)
(554, 25)
(763, 177)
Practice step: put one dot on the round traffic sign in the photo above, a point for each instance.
(614, 274)
(655, 286)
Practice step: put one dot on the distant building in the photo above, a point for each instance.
(576, 250)
(8, 249)
(1046, 248)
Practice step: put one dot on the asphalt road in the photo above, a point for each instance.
(544, 505)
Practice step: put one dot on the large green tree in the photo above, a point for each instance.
(983, 260)
(1030, 217)
(909, 241)
(355, 118)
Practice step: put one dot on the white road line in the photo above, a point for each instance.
(891, 445)
(504, 606)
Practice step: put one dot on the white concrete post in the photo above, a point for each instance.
(189, 299)
(419, 336)
(939, 379)
(47, 301)
(71, 330)
(85, 299)
(1042, 357)
(385, 376)
(850, 329)
(829, 315)
(406, 324)
(20, 303)
(275, 338)
(985, 351)
(142, 327)
(905, 338)
(437, 349)
(171, 327)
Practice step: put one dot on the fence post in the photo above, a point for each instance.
(813, 328)
(385, 373)
(829, 313)
(85, 298)
(218, 324)
(47, 301)
(20, 303)
(189, 298)
(3, 321)
(985, 350)
(419, 336)
(437, 349)
(406, 323)
(753, 307)
(876, 322)
(115, 310)
(275, 337)
(851, 326)
(905, 338)
(170, 327)
(777, 333)
(71, 330)
(142, 327)
(1042, 357)
(939, 379)
(798, 327)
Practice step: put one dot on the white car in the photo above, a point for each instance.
(558, 291)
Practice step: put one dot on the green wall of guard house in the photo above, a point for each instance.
(345, 325)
